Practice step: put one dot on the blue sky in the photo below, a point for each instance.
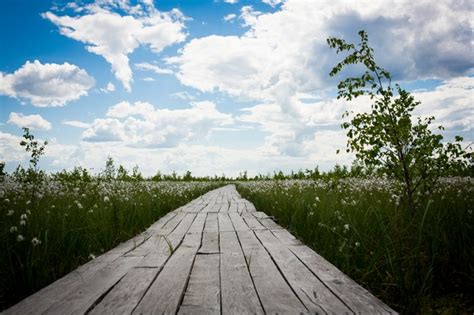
(215, 86)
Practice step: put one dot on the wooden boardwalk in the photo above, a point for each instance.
(215, 255)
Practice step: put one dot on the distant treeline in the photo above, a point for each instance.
(113, 172)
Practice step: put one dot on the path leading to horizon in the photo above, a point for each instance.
(215, 255)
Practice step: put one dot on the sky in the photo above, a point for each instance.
(218, 86)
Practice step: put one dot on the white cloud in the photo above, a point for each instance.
(230, 17)
(451, 103)
(76, 123)
(142, 125)
(108, 88)
(287, 49)
(183, 95)
(231, 1)
(114, 36)
(35, 122)
(46, 85)
(148, 79)
(284, 55)
(272, 3)
(145, 66)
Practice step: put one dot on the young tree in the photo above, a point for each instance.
(33, 146)
(387, 137)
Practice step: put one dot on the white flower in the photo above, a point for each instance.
(10, 212)
(28, 202)
(24, 216)
(91, 256)
(316, 199)
(35, 241)
(357, 244)
(311, 213)
(20, 238)
(346, 227)
(13, 229)
(106, 199)
(22, 222)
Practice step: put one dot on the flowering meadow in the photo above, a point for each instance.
(413, 263)
(50, 226)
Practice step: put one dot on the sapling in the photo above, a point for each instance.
(388, 138)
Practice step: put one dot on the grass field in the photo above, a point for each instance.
(415, 264)
(50, 228)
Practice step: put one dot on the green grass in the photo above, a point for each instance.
(363, 228)
(48, 230)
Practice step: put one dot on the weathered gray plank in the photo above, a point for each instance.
(164, 295)
(237, 289)
(286, 237)
(210, 237)
(81, 298)
(202, 295)
(252, 222)
(356, 297)
(275, 294)
(311, 291)
(126, 294)
(233, 207)
(225, 224)
(43, 299)
(249, 206)
(238, 222)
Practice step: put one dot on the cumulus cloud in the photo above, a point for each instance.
(46, 85)
(142, 125)
(288, 47)
(283, 56)
(230, 17)
(108, 88)
(35, 122)
(145, 66)
(76, 123)
(272, 3)
(114, 36)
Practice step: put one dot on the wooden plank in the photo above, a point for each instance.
(164, 295)
(238, 222)
(249, 206)
(40, 301)
(311, 291)
(210, 236)
(355, 296)
(225, 224)
(238, 292)
(224, 207)
(126, 294)
(252, 222)
(202, 295)
(275, 294)
(286, 237)
(270, 224)
(123, 297)
(233, 207)
(79, 299)
(241, 207)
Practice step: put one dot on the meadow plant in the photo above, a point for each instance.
(361, 226)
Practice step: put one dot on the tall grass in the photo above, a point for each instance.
(49, 228)
(363, 228)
